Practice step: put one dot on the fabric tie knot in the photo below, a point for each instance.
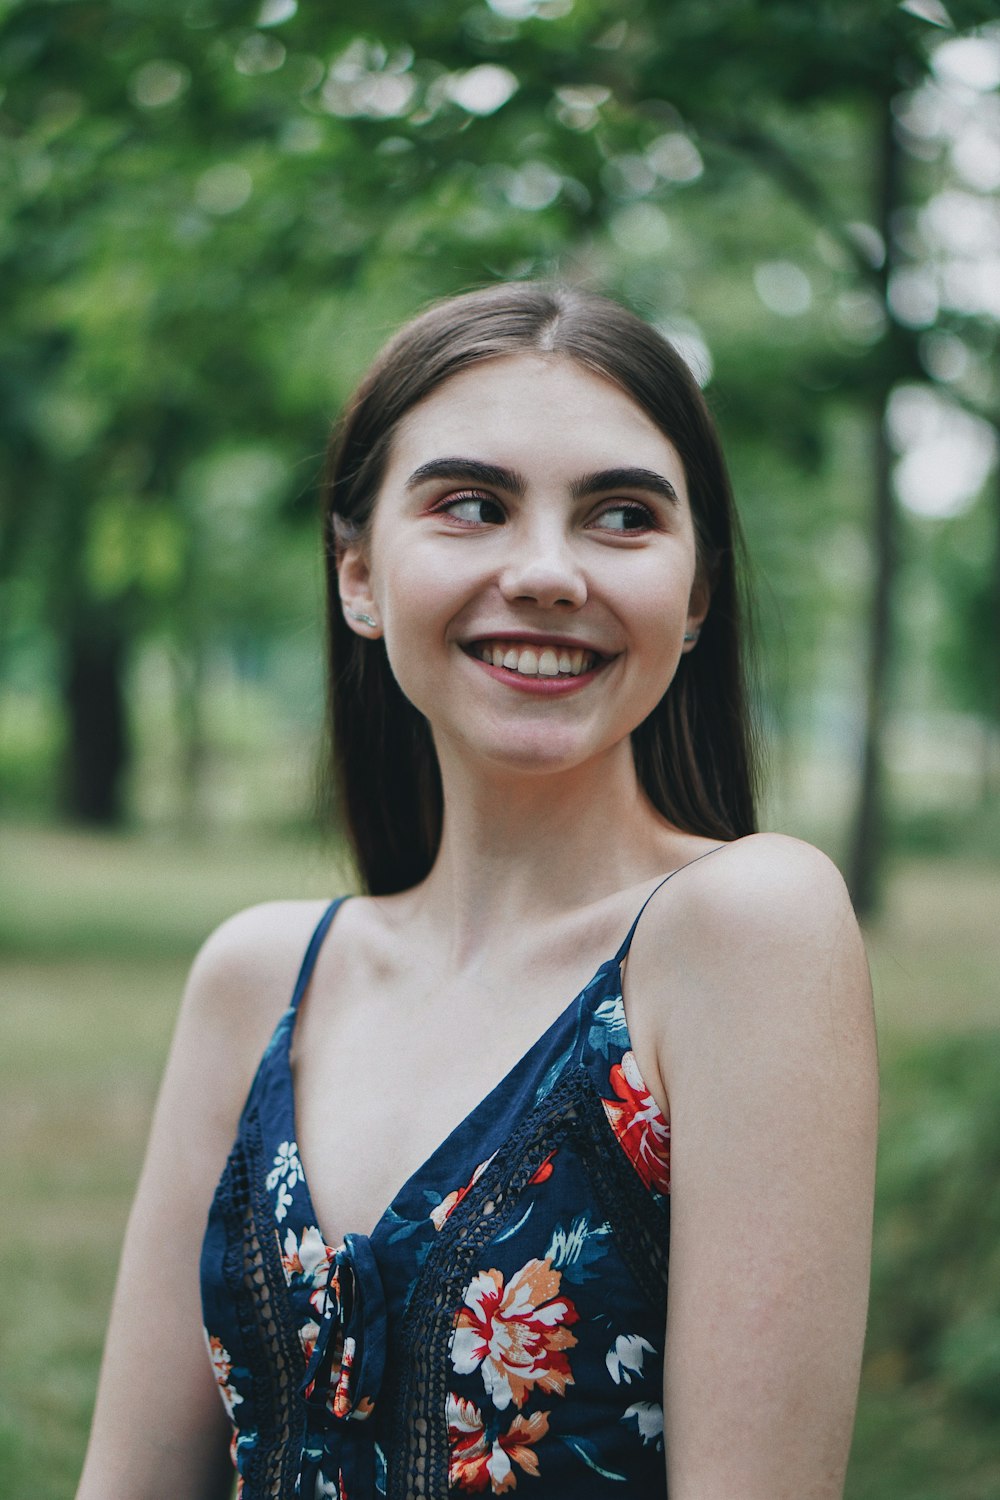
(344, 1377)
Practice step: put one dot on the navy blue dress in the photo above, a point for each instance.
(502, 1327)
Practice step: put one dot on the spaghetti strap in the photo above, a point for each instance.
(309, 957)
(623, 950)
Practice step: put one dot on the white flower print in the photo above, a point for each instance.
(610, 1024)
(624, 1358)
(649, 1420)
(285, 1173)
(573, 1250)
(307, 1257)
(286, 1165)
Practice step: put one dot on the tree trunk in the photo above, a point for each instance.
(991, 730)
(865, 859)
(868, 837)
(97, 751)
(189, 684)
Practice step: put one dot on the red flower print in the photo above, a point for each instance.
(544, 1171)
(476, 1462)
(637, 1122)
(517, 1333)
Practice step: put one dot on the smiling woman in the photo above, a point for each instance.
(693, 754)
(436, 1258)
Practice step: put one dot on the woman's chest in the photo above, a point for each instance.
(385, 1082)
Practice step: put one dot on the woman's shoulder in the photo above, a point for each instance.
(758, 883)
(766, 920)
(255, 946)
(753, 975)
(243, 977)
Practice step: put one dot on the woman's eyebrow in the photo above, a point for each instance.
(475, 471)
(625, 479)
(472, 471)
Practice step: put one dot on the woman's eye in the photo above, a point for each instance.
(626, 517)
(475, 510)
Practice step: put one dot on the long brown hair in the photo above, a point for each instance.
(694, 752)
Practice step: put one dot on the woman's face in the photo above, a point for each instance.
(531, 563)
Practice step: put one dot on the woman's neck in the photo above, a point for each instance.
(519, 850)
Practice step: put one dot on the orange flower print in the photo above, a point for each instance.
(223, 1367)
(636, 1121)
(477, 1462)
(517, 1334)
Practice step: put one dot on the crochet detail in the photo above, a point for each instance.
(256, 1283)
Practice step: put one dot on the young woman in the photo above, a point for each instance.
(584, 1014)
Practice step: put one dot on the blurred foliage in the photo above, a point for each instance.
(213, 213)
(930, 1401)
(936, 1275)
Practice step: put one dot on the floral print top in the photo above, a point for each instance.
(502, 1327)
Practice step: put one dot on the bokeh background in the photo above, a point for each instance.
(212, 215)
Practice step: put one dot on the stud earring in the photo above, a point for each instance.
(690, 636)
(362, 619)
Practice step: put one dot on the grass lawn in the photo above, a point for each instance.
(95, 938)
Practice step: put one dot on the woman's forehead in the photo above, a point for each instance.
(531, 408)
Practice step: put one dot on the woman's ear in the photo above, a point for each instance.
(701, 598)
(354, 583)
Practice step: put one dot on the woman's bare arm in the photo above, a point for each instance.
(159, 1429)
(768, 1054)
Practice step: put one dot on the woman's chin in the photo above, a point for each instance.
(529, 753)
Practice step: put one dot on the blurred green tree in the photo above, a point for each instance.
(215, 212)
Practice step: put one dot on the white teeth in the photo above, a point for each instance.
(549, 661)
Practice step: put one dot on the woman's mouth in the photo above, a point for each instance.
(536, 660)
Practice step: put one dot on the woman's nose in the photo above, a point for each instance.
(542, 568)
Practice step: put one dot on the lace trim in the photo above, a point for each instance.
(418, 1384)
(270, 1343)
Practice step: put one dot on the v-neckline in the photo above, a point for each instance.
(305, 974)
(569, 1011)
